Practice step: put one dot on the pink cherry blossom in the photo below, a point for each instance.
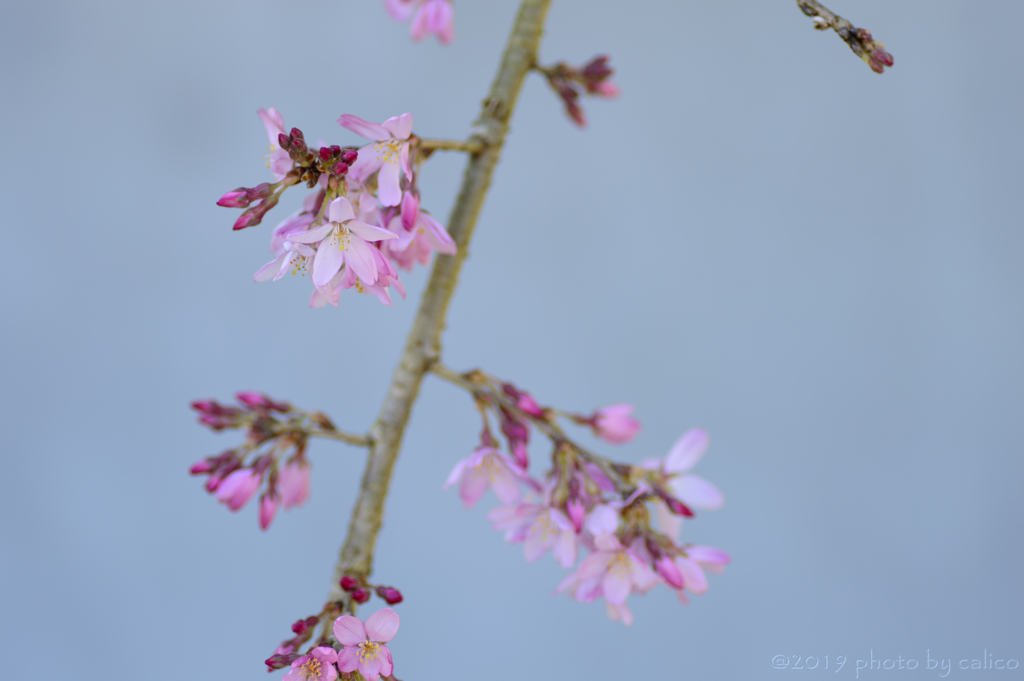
(539, 528)
(317, 666)
(343, 241)
(288, 254)
(485, 467)
(613, 572)
(431, 16)
(614, 424)
(389, 154)
(692, 490)
(237, 488)
(365, 648)
(418, 235)
(279, 162)
(293, 483)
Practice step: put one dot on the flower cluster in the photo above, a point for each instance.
(362, 219)
(569, 83)
(588, 503)
(364, 649)
(273, 454)
(428, 16)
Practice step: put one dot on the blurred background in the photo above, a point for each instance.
(763, 238)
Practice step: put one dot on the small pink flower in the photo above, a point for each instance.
(365, 648)
(613, 572)
(389, 154)
(343, 241)
(317, 666)
(692, 566)
(432, 16)
(614, 424)
(550, 529)
(293, 483)
(485, 467)
(238, 488)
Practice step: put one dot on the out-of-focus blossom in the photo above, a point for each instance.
(293, 483)
(428, 16)
(279, 162)
(365, 648)
(237, 488)
(388, 155)
(615, 424)
(613, 572)
(485, 467)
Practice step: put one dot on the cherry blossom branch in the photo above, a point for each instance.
(859, 39)
(423, 346)
(482, 385)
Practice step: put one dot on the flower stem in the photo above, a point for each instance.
(423, 345)
(470, 147)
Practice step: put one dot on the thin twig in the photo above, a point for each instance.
(470, 147)
(358, 440)
(859, 39)
(424, 342)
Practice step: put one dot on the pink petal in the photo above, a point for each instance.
(668, 522)
(535, 545)
(438, 235)
(668, 569)
(371, 131)
(272, 123)
(360, 259)
(594, 565)
(348, 659)
(349, 631)
(388, 190)
(456, 473)
(707, 554)
(616, 587)
(328, 260)
(369, 232)
(697, 492)
(400, 127)
(619, 612)
(340, 210)
(565, 548)
(370, 669)
(382, 625)
(474, 484)
(686, 452)
(505, 485)
(387, 664)
(314, 235)
(273, 267)
(418, 29)
(400, 10)
(693, 576)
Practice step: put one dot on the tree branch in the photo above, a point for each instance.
(859, 39)
(424, 342)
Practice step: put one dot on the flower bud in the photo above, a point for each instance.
(614, 424)
(676, 506)
(259, 192)
(237, 198)
(669, 571)
(296, 134)
(390, 594)
(279, 661)
(268, 508)
(349, 583)
(339, 168)
(284, 141)
(360, 595)
(253, 399)
(349, 156)
(302, 626)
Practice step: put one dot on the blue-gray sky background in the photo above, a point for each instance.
(819, 265)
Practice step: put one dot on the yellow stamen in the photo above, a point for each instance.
(619, 565)
(369, 650)
(311, 669)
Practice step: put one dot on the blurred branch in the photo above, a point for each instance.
(859, 39)
(423, 346)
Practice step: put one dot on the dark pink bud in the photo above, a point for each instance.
(335, 150)
(279, 661)
(204, 466)
(284, 141)
(349, 583)
(390, 594)
(597, 68)
(339, 168)
(677, 507)
(246, 220)
(237, 198)
(577, 514)
(349, 156)
(324, 153)
(206, 406)
(360, 595)
(253, 399)
(296, 134)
